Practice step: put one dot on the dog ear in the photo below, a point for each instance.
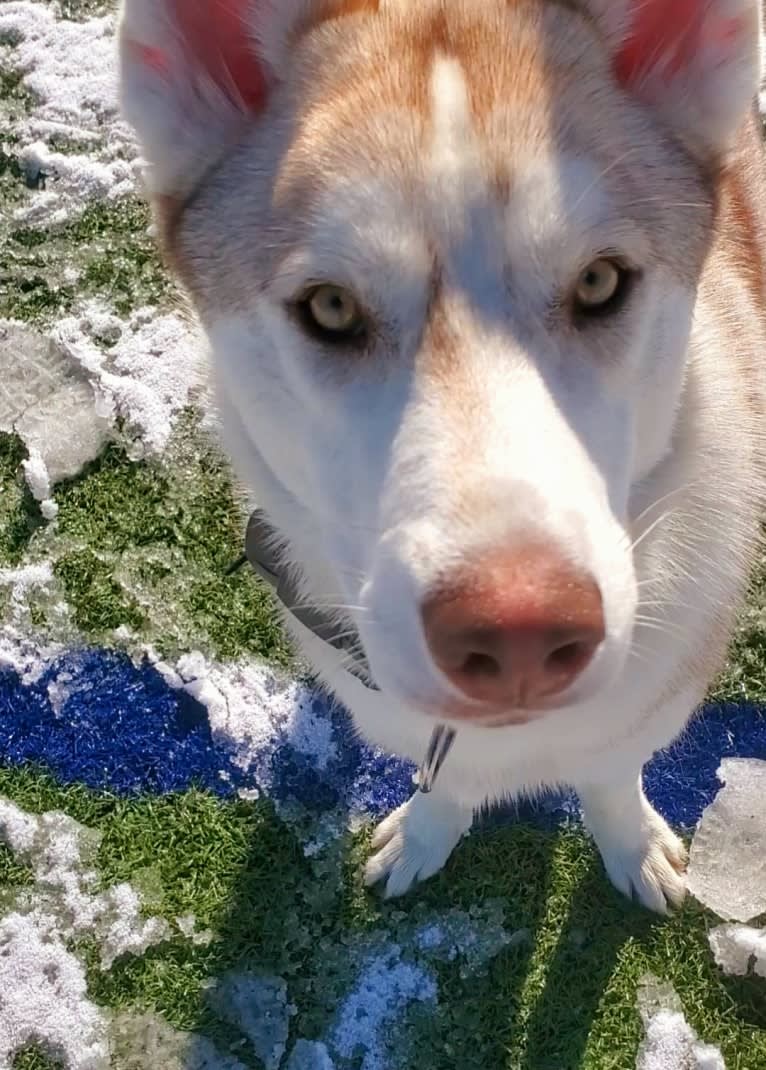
(193, 72)
(696, 62)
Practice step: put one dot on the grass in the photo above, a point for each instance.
(243, 874)
(107, 248)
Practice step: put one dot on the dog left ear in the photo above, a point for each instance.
(695, 62)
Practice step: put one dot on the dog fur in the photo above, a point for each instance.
(455, 164)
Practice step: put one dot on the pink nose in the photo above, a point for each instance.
(518, 631)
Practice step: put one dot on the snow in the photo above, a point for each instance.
(727, 861)
(738, 949)
(259, 1008)
(63, 902)
(65, 395)
(251, 709)
(670, 1043)
(386, 985)
(147, 377)
(43, 995)
(70, 68)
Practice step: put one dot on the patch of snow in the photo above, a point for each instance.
(386, 986)
(259, 1008)
(63, 903)
(310, 1055)
(738, 949)
(187, 926)
(59, 691)
(22, 655)
(727, 860)
(475, 937)
(147, 1042)
(252, 710)
(70, 68)
(670, 1042)
(44, 998)
(148, 376)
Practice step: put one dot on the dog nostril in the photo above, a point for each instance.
(567, 656)
(481, 666)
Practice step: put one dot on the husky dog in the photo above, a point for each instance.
(483, 282)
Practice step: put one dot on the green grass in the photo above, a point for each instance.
(563, 999)
(19, 514)
(153, 543)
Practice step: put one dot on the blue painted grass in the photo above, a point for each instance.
(120, 728)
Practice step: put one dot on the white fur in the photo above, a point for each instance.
(620, 450)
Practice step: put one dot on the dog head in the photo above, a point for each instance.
(447, 255)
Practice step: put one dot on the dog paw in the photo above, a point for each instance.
(413, 843)
(649, 867)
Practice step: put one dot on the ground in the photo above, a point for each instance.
(200, 902)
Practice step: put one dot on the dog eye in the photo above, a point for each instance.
(601, 288)
(332, 314)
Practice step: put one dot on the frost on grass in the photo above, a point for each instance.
(259, 1008)
(727, 862)
(739, 949)
(670, 1043)
(70, 71)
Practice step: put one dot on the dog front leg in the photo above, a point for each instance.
(642, 855)
(415, 841)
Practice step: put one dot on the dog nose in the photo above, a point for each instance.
(517, 631)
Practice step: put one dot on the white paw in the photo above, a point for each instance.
(414, 842)
(650, 865)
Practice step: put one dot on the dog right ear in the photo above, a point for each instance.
(190, 77)
(194, 72)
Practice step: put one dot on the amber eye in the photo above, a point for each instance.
(601, 288)
(332, 313)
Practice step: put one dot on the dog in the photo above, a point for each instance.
(483, 282)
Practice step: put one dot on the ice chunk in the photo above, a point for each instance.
(738, 949)
(727, 862)
(46, 399)
(258, 1006)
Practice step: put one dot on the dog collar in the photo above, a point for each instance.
(261, 551)
(262, 543)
